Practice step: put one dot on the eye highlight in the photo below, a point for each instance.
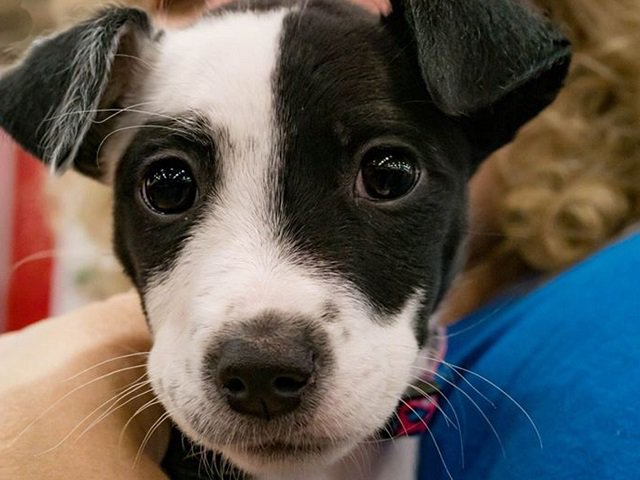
(169, 187)
(387, 174)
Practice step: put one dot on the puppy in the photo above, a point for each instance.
(289, 183)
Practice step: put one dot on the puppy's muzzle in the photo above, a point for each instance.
(267, 368)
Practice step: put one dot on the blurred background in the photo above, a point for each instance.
(33, 280)
(55, 250)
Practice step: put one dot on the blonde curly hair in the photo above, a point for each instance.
(571, 178)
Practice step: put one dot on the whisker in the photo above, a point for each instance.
(475, 404)
(358, 459)
(117, 111)
(216, 463)
(404, 429)
(209, 462)
(56, 253)
(115, 407)
(462, 377)
(303, 8)
(77, 427)
(488, 316)
(226, 467)
(391, 437)
(414, 412)
(134, 57)
(134, 110)
(64, 397)
(151, 403)
(202, 460)
(236, 474)
(455, 415)
(435, 404)
(124, 129)
(165, 416)
(439, 451)
(111, 360)
(503, 392)
(444, 464)
(138, 383)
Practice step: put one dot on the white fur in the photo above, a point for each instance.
(235, 266)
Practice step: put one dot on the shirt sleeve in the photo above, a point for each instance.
(545, 385)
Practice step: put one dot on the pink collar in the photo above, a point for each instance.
(420, 402)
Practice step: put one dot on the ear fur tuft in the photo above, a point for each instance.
(49, 102)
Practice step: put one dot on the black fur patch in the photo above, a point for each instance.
(493, 64)
(347, 80)
(343, 83)
(147, 243)
(180, 462)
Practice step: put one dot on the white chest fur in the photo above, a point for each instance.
(391, 460)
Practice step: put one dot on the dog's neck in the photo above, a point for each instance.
(395, 459)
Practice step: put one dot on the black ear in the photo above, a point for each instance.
(491, 64)
(57, 103)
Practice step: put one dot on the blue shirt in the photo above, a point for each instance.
(568, 353)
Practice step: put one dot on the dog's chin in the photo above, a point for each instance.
(282, 460)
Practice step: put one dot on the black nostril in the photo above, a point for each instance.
(289, 385)
(234, 386)
(262, 382)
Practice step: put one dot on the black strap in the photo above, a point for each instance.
(183, 461)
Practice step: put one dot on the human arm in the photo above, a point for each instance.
(48, 405)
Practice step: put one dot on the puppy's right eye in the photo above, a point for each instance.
(387, 174)
(169, 187)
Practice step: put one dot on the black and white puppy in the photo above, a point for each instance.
(289, 184)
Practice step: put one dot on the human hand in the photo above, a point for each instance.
(376, 6)
(60, 377)
(382, 6)
(177, 12)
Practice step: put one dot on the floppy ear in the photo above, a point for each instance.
(491, 64)
(59, 102)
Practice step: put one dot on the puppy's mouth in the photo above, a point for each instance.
(285, 455)
(285, 449)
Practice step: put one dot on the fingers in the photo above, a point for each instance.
(376, 6)
(185, 10)
(69, 387)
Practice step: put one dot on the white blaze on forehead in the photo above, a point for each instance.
(224, 67)
(234, 266)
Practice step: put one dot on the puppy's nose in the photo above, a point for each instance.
(264, 383)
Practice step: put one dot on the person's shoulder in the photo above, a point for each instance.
(545, 382)
(603, 286)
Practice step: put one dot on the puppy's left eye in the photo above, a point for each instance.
(169, 187)
(387, 174)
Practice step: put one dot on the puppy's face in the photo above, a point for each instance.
(289, 208)
(289, 188)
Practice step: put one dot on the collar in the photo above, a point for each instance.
(420, 401)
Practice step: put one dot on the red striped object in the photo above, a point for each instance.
(29, 294)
